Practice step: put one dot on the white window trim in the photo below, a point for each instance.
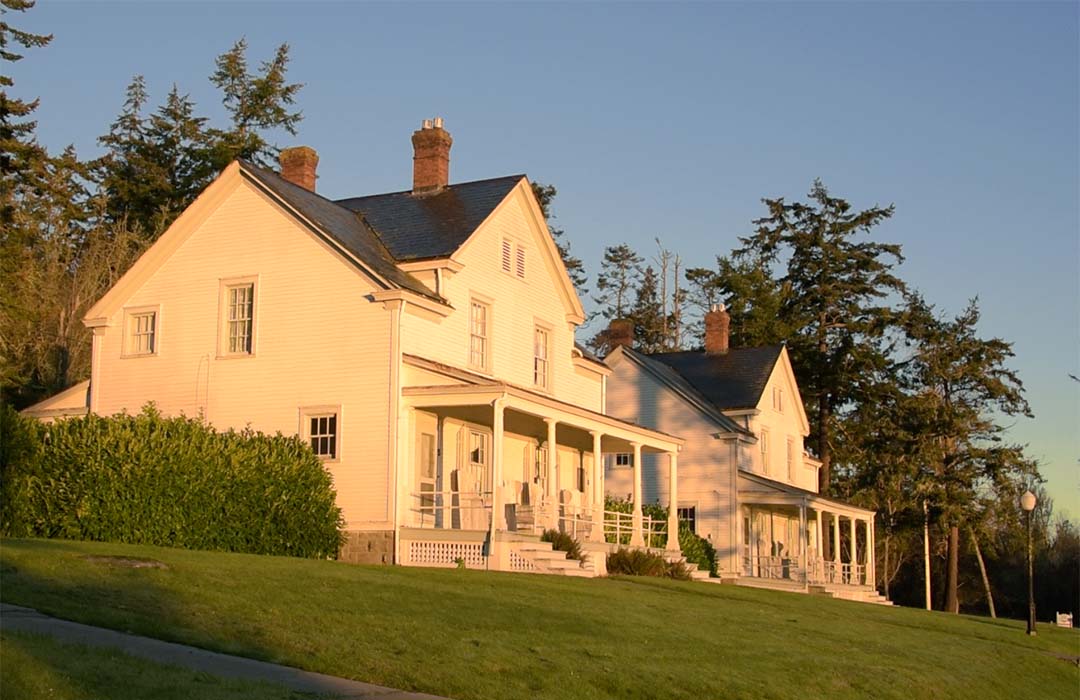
(615, 460)
(306, 413)
(539, 326)
(763, 447)
(126, 350)
(486, 302)
(791, 459)
(223, 316)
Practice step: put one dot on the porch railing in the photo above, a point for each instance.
(619, 529)
(817, 570)
(437, 509)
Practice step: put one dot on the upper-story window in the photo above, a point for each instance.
(479, 334)
(141, 332)
(763, 443)
(541, 355)
(513, 258)
(238, 317)
(778, 399)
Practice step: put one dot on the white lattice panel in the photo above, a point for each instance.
(446, 554)
(520, 563)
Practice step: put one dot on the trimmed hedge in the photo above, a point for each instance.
(177, 482)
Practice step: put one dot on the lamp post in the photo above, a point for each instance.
(1027, 502)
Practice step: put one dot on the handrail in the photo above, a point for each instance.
(442, 503)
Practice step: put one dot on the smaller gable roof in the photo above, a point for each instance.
(342, 225)
(671, 378)
(730, 381)
(430, 225)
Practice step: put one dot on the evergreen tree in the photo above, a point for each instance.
(961, 385)
(575, 268)
(648, 316)
(620, 274)
(256, 103)
(832, 293)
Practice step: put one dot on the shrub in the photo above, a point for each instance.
(148, 479)
(563, 542)
(697, 550)
(638, 562)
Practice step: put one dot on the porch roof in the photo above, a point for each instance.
(760, 490)
(525, 401)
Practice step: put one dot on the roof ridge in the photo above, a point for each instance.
(450, 186)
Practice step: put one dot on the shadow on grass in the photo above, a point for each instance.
(105, 603)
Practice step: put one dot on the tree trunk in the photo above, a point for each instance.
(982, 570)
(926, 551)
(885, 568)
(824, 453)
(952, 600)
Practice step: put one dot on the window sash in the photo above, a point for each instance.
(322, 434)
(143, 330)
(540, 357)
(477, 448)
(241, 300)
(478, 335)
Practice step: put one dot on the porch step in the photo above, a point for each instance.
(548, 560)
(860, 594)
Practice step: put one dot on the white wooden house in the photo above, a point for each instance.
(422, 341)
(745, 482)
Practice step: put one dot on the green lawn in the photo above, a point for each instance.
(33, 666)
(470, 634)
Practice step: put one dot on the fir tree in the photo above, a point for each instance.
(620, 274)
(575, 268)
(648, 316)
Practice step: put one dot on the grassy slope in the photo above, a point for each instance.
(478, 635)
(39, 667)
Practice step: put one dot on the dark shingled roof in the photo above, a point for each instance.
(434, 225)
(731, 380)
(340, 224)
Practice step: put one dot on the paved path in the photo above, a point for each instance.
(14, 617)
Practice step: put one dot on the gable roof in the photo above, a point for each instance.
(666, 375)
(341, 224)
(730, 381)
(434, 225)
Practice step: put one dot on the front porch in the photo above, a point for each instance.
(797, 540)
(484, 469)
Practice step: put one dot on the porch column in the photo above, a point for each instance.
(803, 537)
(673, 503)
(597, 533)
(820, 547)
(854, 549)
(551, 494)
(498, 513)
(871, 555)
(636, 537)
(836, 541)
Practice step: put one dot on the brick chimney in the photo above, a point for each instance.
(717, 328)
(431, 156)
(298, 166)
(620, 332)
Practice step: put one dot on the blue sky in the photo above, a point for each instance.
(674, 121)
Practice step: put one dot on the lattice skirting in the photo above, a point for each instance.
(446, 554)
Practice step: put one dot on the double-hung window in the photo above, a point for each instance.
(791, 460)
(238, 324)
(321, 430)
(688, 516)
(479, 334)
(541, 357)
(141, 332)
(763, 442)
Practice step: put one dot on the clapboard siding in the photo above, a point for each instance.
(704, 462)
(318, 342)
(517, 307)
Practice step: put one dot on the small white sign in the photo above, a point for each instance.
(1064, 619)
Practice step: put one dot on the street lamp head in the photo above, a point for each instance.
(1027, 501)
